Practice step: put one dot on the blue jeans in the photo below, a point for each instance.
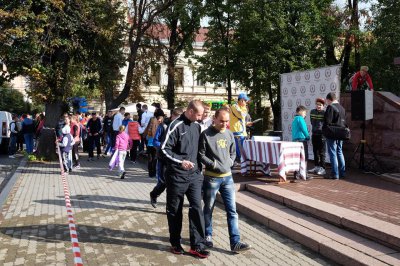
(28, 137)
(226, 187)
(109, 146)
(336, 157)
(13, 144)
(239, 140)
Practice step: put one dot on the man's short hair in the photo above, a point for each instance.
(331, 96)
(144, 106)
(220, 110)
(364, 68)
(195, 105)
(177, 111)
(122, 109)
(138, 105)
(127, 114)
(300, 108)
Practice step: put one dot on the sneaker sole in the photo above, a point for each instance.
(198, 255)
(242, 250)
(177, 252)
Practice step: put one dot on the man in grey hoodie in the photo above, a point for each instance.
(217, 152)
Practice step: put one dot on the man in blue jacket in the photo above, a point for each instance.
(158, 139)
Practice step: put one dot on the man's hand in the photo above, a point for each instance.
(187, 165)
(249, 124)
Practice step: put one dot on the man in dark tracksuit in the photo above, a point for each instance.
(183, 177)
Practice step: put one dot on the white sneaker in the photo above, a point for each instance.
(321, 171)
(314, 170)
(11, 157)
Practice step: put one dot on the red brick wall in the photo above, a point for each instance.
(382, 133)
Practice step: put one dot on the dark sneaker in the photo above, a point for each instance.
(153, 201)
(200, 253)
(240, 247)
(208, 242)
(123, 175)
(177, 250)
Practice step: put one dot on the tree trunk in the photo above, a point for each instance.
(275, 105)
(172, 53)
(171, 83)
(53, 112)
(46, 145)
(229, 88)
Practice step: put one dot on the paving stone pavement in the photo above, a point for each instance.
(116, 224)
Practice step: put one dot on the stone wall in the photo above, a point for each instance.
(382, 133)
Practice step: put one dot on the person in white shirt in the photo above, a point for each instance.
(206, 121)
(117, 122)
(146, 116)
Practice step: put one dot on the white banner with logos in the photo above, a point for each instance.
(302, 88)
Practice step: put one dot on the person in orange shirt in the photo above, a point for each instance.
(133, 132)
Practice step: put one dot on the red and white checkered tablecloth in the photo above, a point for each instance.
(288, 156)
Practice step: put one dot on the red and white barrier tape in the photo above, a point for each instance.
(71, 221)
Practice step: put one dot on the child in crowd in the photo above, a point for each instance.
(66, 143)
(318, 139)
(122, 145)
(150, 132)
(133, 132)
(299, 130)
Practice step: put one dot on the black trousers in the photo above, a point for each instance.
(134, 150)
(176, 192)
(94, 140)
(318, 142)
(152, 161)
(75, 153)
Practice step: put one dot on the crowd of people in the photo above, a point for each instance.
(334, 115)
(191, 153)
(24, 129)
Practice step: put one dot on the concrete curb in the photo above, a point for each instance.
(383, 232)
(330, 241)
(10, 184)
(391, 178)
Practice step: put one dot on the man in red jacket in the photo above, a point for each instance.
(362, 79)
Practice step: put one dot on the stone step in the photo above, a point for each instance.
(335, 243)
(377, 230)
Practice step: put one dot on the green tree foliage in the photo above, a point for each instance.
(217, 64)
(275, 37)
(142, 16)
(12, 100)
(183, 21)
(384, 46)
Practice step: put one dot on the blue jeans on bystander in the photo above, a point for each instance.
(336, 158)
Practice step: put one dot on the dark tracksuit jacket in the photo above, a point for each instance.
(181, 143)
(335, 115)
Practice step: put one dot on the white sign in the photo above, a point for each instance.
(303, 88)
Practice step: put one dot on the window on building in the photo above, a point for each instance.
(155, 75)
(179, 77)
(199, 82)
